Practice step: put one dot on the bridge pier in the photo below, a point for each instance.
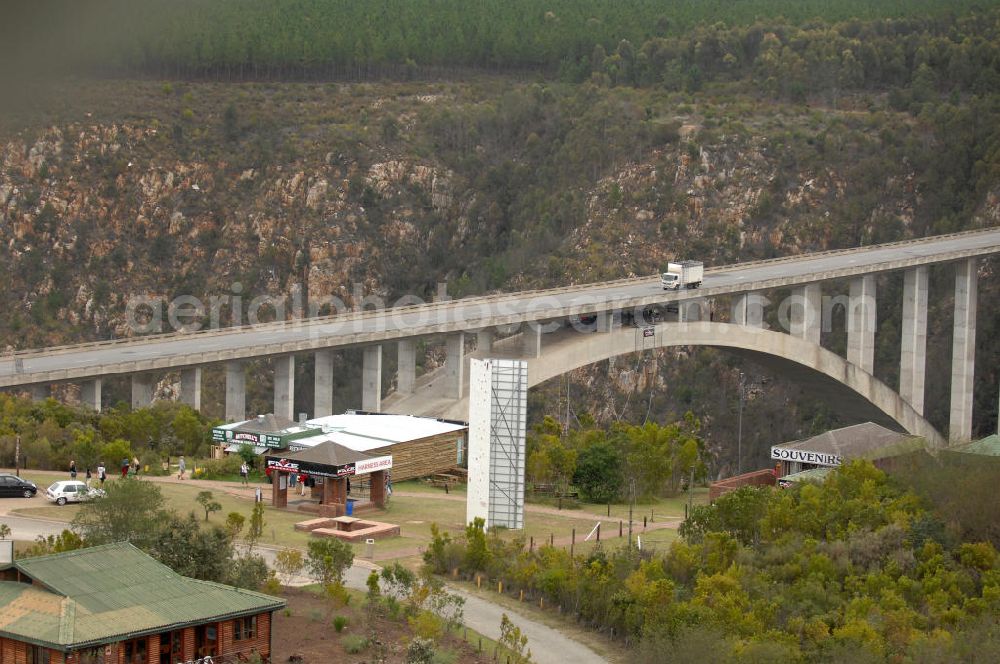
(963, 352)
(406, 369)
(323, 383)
(236, 391)
(861, 321)
(531, 339)
(484, 340)
(605, 321)
(284, 386)
(690, 311)
(191, 387)
(142, 390)
(40, 392)
(748, 310)
(454, 364)
(371, 379)
(806, 312)
(913, 348)
(90, 394)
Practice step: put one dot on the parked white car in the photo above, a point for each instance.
(71, 491)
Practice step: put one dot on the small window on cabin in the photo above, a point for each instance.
(244, 628)
(38, 655)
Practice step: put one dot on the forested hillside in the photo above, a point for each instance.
(618, 143)
(251, 38)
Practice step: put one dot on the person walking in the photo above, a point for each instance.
(102, 473)
(181, 466)
(89, 477)
(125, 467)
(72, 469)
(244, 473)
(135, 465)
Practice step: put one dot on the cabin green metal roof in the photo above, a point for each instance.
(109, 593)
(811, 475)
(859, 441)
(989, 446)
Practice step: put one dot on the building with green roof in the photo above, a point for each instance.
(984, 447)
(114, 603)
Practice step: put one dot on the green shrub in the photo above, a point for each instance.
(420, 651)
(272, 586)
(445, 657)
(219, 468)
(339, 623)
(393, 606)
(353, 643)
(112, 453)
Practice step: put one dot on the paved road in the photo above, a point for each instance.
(547, 645)
(26, 528)
(474, 313)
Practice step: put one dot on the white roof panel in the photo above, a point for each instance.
(366, 432)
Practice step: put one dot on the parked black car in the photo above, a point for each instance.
(12, 486)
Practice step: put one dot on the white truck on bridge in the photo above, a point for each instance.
(686, 273)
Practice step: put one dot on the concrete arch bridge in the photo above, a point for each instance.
(818, 370)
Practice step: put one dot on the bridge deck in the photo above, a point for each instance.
(180, 350)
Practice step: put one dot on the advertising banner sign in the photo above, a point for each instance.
(324, 470)
(372, 465)
(805, 456)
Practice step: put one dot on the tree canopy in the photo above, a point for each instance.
(851, 569)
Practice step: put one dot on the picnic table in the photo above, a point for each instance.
(442, 480)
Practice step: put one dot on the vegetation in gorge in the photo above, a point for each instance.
(51, 434)
(858, 568)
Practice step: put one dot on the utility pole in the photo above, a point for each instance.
(739, 432)
(17, 455)
(631, 504)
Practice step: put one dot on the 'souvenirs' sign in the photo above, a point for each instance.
(805, 456)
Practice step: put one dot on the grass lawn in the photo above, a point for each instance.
(413, 513)
(660, 507)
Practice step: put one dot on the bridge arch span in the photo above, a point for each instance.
(814, 367)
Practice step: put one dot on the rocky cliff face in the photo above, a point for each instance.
(397, 187)
(92, 215)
